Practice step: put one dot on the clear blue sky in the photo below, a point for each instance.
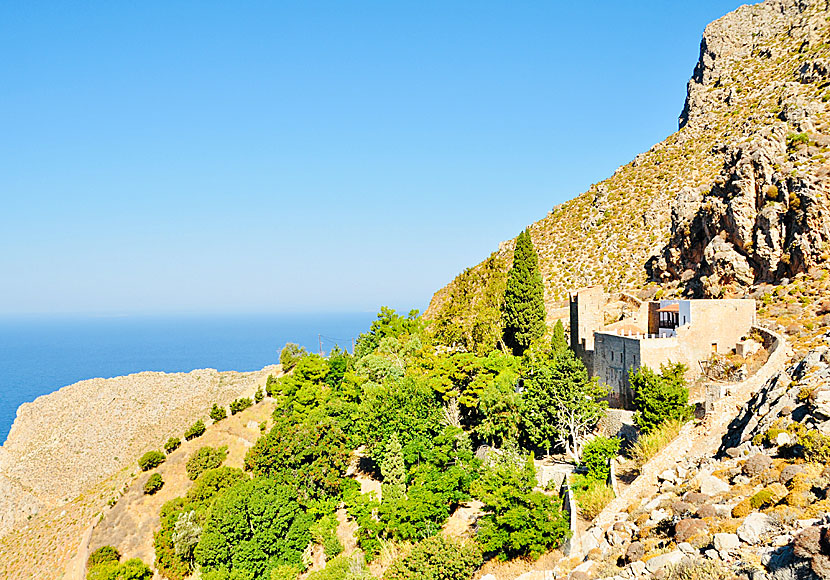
(311, 156)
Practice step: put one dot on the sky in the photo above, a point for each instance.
(244, 157)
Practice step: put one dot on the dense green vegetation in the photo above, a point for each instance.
(417, 411)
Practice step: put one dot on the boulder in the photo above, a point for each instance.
(783, 439)
(711, 485)
(789, 472)
(635, 569)
(756, 465)
(754, 527)
(667, 475)
(686, 529)
(663, 560)
(696, 498)
(707, 511)
(821, 403)
(635, 552)
(725, 543)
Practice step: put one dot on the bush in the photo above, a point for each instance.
(699, 570)
(102, 555)
(204, 459)
(150, 460)
(649, 445)
(240, 405)
(212, 482)
(259, 395)
(517, 520)
(153, 484)
(592, 495)
(660, 398)
(815, 446)
(217, 413)
(437, 558)
(133, 569)
(172, 444)
(290, 355)
(195, 430)
(597, 453)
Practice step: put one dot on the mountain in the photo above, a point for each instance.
(735, 200)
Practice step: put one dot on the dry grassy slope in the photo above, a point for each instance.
(749, 81)
(74, 451)
(130, 524)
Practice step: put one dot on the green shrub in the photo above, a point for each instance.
(597, 453)
(133, 569)
(150, 460)
(102, 555)
(591, 495)
(437, 558)
(336, 569)
(213, 481)
(153, 484)
(796, 139)
(172, 444)
(324, 532)
(217, 413)
(239, 405)
(517, 520)
(195, 430)
(205, 458)
(259, 395)
(815, 446)
(660, 398)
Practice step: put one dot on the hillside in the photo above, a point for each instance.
(62, 463)
(736, 198)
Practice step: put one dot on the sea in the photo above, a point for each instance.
(39, 355)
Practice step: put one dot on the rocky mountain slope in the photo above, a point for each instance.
(757, 509)
(72, 451)
(737, 197)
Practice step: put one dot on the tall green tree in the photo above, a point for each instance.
(561, 404)
(523, 312)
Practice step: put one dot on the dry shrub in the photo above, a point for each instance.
(699, 570)
(647, 446)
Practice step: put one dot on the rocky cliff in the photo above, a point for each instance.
(735, 198)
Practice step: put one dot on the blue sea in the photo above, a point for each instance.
(39, 355)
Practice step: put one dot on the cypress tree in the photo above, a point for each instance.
(523, 313)
(558, 344)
